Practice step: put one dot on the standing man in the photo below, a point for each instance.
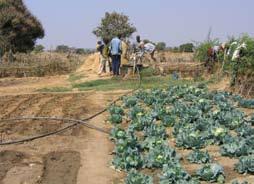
(104, 58)
(115, 51)
(237, 54)
(124, 56)
(99, 48)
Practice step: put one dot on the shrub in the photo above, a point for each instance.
(188, 47)
(161, 46)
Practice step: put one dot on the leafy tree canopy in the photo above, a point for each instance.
(188, 47)
(114, 24)
(19, 29)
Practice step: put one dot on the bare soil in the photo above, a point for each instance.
(9, 159)
(61, 168)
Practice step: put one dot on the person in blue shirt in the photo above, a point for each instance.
(115, 52)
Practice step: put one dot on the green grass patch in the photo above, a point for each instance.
(75, 77)
(118, 83)
(148, 72)
(55, 89)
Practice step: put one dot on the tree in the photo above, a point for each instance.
(188, 47)
(62, 48)
(39, 48)
(80, 51)
(161, 46)
(175, 49)
(19, 29)
(114, 24)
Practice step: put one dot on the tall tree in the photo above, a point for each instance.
(187, 47)
(19, 29)
(114, 24)
(161, 46)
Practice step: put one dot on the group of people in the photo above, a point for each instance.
(232, 52)
(114, 53)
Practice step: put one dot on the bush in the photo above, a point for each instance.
(161, 46)
(188, 47)
(62, 48)
(247, 61)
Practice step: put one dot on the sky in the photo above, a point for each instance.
(172, 21)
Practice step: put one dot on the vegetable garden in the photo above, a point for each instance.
(152, 127)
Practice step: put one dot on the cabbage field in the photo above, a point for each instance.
(145, 124)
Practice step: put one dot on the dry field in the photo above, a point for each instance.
(40, 65)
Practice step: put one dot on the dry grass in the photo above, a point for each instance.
(176, 57)
(39, 65)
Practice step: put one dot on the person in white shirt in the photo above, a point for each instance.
(237, 54)
(146, 47)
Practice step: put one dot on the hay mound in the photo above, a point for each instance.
(91, 64)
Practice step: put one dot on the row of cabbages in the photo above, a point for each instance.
(198, 118)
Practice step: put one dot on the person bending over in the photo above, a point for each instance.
(146, 47)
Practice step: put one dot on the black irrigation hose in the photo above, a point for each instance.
(81, 122)
(77, 122)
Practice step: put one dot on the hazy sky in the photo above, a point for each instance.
(173, 21)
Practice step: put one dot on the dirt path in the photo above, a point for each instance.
(96, 158)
